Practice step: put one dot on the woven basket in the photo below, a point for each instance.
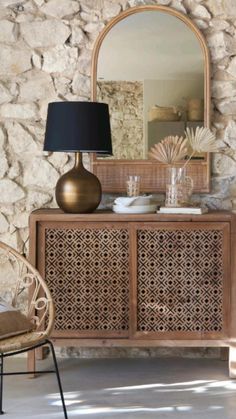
(195, 110)
(162, 113)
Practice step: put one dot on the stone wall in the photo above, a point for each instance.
(45, 55)
(125, 100)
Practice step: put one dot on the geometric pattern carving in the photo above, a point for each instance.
(87, 271)
(180, 280)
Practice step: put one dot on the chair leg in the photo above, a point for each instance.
(58, 378)
(1, 383)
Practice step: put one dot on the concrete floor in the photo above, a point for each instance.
(124, 388)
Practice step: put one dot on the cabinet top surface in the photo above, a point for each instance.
(55, 214)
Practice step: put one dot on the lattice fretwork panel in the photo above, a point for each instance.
(180, 280)
(88, 274)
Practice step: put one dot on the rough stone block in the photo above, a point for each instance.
(4, 225)
(58, 160)
(10, 192)
(220, 45)
(18, 111)
(14, 60)
(47, 33)
(224, 8)
(223, 89)
(7, 32)
(37, 199)
(78, 36)
(227, 107)
(81, 84)
(5, 95)
(35, 85)
(110, 9)
(21, 220)
(21, 140)
(178, 6)
(201, 12)
(40, 173)
(61, 59)
(232, 67)
(2, 138)
(14, 170)
(60, 9)
(3, 164)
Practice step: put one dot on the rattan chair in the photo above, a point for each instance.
(22, 286)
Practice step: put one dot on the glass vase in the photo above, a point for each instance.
(178, 187)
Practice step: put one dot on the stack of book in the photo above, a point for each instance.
(182, 210)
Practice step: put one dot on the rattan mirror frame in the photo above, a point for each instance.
(113, 173)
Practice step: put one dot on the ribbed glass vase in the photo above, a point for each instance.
(178, 187)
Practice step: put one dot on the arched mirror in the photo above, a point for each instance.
(151, 65)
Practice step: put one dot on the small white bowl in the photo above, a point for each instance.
(127, 201)
(135, 209)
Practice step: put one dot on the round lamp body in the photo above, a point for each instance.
(78, 191)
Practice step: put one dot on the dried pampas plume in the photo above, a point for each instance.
(171, 149)
(202, 140)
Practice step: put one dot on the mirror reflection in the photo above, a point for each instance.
(151, 73)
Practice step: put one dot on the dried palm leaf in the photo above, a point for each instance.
(202, 140)
(171, 149)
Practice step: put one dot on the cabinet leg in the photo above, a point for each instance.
(40, 353)
(232, 360)
(31, 362)
(224, 354)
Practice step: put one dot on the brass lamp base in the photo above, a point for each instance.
(78, 191)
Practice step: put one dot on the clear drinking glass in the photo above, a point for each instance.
(133, 185)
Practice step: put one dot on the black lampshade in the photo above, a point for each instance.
(78, 126)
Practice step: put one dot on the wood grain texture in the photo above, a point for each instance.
(184, 262)
(113, 174)
(180, 278)
(232, 302)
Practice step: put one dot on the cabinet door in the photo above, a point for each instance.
(86, 266)
(180, 281)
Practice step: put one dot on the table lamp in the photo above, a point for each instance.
(78, 127)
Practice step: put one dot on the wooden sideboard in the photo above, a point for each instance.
(139, 280)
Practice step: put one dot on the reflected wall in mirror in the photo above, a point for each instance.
(151, 66)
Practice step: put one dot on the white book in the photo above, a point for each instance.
(182, 210)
